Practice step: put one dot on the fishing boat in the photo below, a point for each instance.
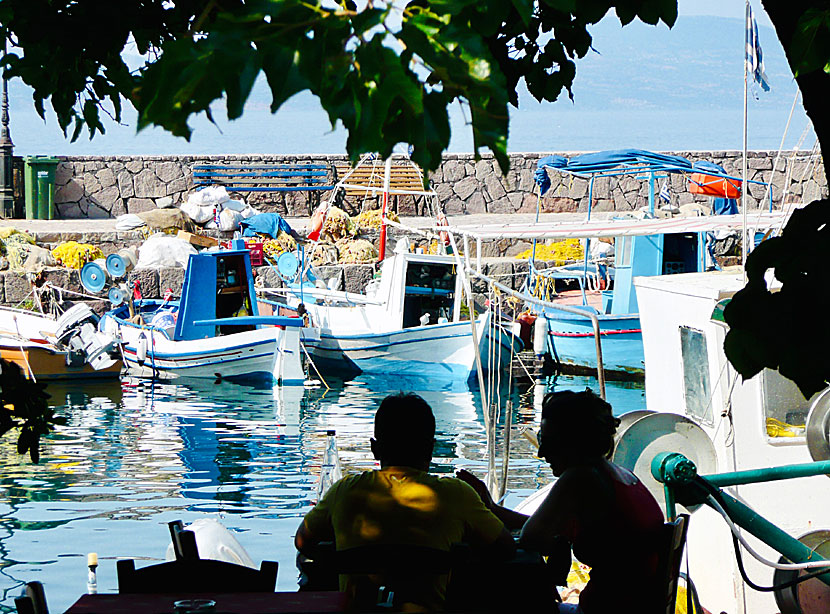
(734, 427)
(643, 247)
(214, 331)
(47, 348)
(410, 320)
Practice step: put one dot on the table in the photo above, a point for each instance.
(311, 602)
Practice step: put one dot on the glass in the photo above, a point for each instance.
(694, 356)
(194, 606)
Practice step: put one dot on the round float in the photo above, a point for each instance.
(663, 432)
(94, 276)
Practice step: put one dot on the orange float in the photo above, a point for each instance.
(701, 183)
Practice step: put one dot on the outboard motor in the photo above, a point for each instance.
(77, 333)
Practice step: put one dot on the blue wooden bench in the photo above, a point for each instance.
(312, 177)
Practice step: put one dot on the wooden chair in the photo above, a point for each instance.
(196, 576)
(191, 574)
(33, 602)
(674, 539)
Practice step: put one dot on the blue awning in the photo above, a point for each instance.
(620, 161)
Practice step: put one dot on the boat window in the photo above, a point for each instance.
(785, 408)
(696, 388)
(429, 294)
(623, 251)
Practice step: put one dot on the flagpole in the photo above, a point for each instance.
(745, 241)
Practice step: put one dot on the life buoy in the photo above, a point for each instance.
(318, 218)
(141, 349)
(443, 221)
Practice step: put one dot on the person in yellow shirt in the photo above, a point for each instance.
(402, 504)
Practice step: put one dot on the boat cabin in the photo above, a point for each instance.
(421, 288)
(217, 284)
(752, 424)
(646, 256)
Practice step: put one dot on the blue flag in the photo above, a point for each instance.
(754, 56)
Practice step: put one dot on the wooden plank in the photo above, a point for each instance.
(194, 239)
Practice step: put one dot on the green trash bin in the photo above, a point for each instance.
(39, 178)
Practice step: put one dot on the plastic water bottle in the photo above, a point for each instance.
(330, 470)
(92, 575)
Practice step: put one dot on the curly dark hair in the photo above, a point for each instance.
(588, 421)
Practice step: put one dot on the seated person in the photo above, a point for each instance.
(403, 504)
(606, 514)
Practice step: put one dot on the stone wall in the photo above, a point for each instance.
(100, 187)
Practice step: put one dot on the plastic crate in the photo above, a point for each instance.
(257, 255)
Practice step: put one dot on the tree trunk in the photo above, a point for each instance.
(815, 85)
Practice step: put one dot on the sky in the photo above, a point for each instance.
(661, 101)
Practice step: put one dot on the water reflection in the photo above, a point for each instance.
(137, 455)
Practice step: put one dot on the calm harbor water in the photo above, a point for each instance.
(135, 456)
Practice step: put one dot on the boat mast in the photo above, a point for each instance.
(387, 173)
(744, 238)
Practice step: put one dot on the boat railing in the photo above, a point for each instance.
(333, 295)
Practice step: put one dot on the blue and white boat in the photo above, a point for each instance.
(643, 247)
(214, 330)
(409, 322)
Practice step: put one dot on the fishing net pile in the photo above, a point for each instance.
(355, 251)
(74, 255)
(283, 243)
(338, 225)
(556, 254)
(23, 255)
(371, 219)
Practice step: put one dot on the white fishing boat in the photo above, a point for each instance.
(747, 425)
(214, 330)
(409, 323)
(65, 348)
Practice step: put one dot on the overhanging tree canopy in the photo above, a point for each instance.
(387, 70)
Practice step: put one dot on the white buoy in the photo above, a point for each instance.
(141, 349)
(540, 336)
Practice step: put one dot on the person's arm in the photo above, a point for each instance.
(317, 525)
(511, 519)
(306, 540)
(578, 499)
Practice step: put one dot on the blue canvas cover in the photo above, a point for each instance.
(264, 223)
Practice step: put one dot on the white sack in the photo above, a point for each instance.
(198, 213)
(234, 205)
(162, 250)
(128, 221)
(215, 542)
(249, 211)
(211, 195)
(229, 219)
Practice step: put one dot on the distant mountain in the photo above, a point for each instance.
(645, 86)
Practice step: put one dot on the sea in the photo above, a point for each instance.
(138, 454)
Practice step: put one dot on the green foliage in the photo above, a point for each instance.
(387, 71)
(23, 406)
(809, 49)
(786, 329)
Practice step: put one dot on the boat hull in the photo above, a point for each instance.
(437, 351)
(268, 353)
(572, 338)
(48, 363)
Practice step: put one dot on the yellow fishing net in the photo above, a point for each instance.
(337, 224)
(371, 219)
(557, 253)
(357, 251)
(283, 243)
(74, 255)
